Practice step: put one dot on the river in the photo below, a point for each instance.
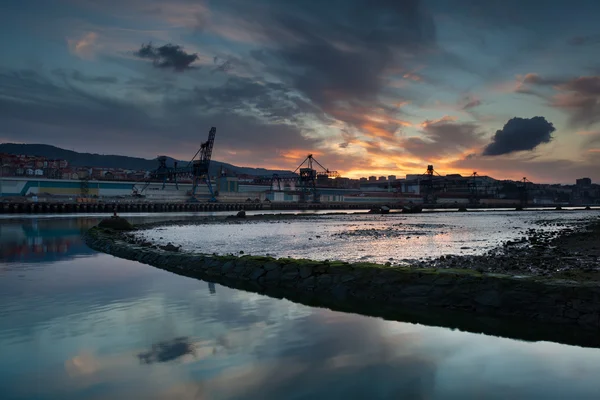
(77, 324)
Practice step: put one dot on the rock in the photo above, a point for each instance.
(116, 223)
(289, 273)
(257, 273)
(169, 247)
(271, 266)
(273, 275)
(589, 320)
(489, 298)
(228, 266)
(572, 314)
(339, 291)
(305, 272)
(241, 214)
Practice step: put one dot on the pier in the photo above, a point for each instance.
(48, 207)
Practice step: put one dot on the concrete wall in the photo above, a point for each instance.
(72, 188)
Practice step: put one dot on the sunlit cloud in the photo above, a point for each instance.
(84, 47)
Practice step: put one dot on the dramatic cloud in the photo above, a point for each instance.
(442, 138)
(338, 54)
(580, 97)
(351, 79)
(251, 119)
(167, 56)
(85, 46)
(520, 134)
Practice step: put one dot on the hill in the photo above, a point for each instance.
(112, 161)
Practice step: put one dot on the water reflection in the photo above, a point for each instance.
(43, 240)
(104, 328)
(167, 351)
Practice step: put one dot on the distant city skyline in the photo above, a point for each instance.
(381, 87)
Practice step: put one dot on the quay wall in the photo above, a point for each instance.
(531, 299)
(129, 207)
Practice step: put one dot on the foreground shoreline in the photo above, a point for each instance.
(522, 307)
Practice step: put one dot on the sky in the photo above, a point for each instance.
(505, 88)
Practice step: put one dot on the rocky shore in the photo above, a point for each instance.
(447, 289)
(572, 254)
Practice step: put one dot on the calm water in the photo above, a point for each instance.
(75, 324)
(368, 237)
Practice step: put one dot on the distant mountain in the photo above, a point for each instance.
(110, 161)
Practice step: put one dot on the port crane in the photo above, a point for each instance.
(523, 188)
(197, 169)
(308, 177)
(432, 184)
(305, 177)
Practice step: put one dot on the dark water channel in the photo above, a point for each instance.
(76, 324)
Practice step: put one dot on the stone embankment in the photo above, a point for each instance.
(356, 286)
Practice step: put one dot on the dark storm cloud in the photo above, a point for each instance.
(520, 134)
(339, 51)
(442, 138)
(35, 108)
(167, 56)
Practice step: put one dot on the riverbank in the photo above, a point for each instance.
(457, 297)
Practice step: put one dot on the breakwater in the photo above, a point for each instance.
(533, 308)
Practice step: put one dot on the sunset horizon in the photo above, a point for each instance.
(370, 88)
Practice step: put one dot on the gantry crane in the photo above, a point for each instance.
(473, 189)
(198, 170)
(522, 187)
(430, 186)
(305, 177)
(308, 176)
